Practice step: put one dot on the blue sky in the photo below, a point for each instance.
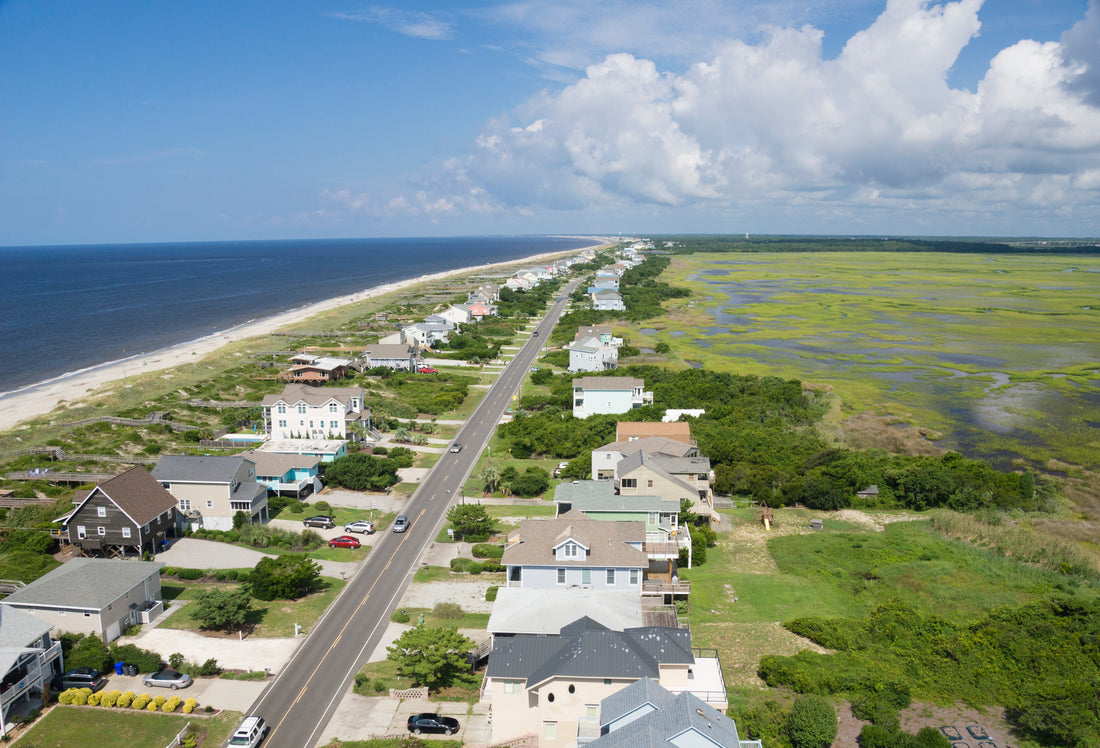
(138, 121)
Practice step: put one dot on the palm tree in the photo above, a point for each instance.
(490, 479)
(402, 434)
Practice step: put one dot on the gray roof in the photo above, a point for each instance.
(607, 542)
(587, 649)
(651, 445)
(197, 468)
(519, 610)
(90, 583)
(600, 496)
(136, 493)
(608, 383)
(630, 463)
(278, 463)
(388, 350)
(665, 716)
(294, 393)
(17, 630)
(607, 293)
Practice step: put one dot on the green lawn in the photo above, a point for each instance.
(68, 726)
(466, 621)
(272, 619)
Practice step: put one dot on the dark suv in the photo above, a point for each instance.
(320, 521)
(81, 677)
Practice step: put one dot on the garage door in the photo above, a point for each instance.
(114, 631)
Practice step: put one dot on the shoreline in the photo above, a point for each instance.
(41, 398)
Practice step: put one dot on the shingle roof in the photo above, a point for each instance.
(135, 492)
(278, 463)
(607, 542)
(593, 384)
(632, 462)
(678, 430)
(587, 649)
(92, 583)
(197, 468)
(17, 630)
(520, 610)
(651, 445)
(600, 496)
(672, 716)
(314, 396)
(388, 350)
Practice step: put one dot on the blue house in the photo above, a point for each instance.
(286, 473)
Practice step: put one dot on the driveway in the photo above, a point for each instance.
(219, 693)
(253, 653)
(192, 553)
(360, 718)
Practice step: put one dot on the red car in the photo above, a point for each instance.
(428, 370)
(344, 541)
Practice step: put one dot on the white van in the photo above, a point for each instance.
(250, 733)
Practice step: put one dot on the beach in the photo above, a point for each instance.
(43, 397)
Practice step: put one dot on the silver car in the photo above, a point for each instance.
(168, 679)
(362, 526)
(401, 523)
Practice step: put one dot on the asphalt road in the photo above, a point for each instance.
(302, 699)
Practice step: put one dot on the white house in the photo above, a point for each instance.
(210, 490)
(607, 457)
(456, 315)
(427, 334)
(302, 412)
(607, 300)
(397, 356)
(594, 349)
(592, 395)
(29, 658)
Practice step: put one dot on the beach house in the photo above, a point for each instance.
(128, 514)
(304, 412)
(594, 349)
(592, 395)
(29, 658)
(396, 356)
(209, 491)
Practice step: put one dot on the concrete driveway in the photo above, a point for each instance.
(360, 718)
(253, 653)
(219, 693)
(192, 553)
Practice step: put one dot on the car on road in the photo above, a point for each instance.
(535, 333)
(81, 677)
(362, 526)
(168, 679)
(250, 733)
(430, 722)
(428, 370)
(535, 368)
(344, 541)
(320, 521)
(456, 447)
(401, 523)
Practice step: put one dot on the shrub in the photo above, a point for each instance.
(125, 699)
(490, 566)
(812, 722)
(146, 661)
(476, 568)
(108, 698)
(191, 574)
(231, 574)
(244, 576)
(93, 699)
(79, 698)
(297, 507)
(447, 611)
(210, 667)
(169, 571)
(176, 660)
(487, 550)
(66, 696)
(322, 506)
(379, 686)
(189, 705)
(152, 707)
(491, 593)
(461, 564)
(159, 700)
(361, 680)
(400, 616)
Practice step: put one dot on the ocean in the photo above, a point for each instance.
(68, 308)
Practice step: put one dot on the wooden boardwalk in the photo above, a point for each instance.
(54, 476)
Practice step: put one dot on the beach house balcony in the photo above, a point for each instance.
(26, 680)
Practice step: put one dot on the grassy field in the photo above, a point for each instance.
(996, 353)
(272, 619)
(67, 726)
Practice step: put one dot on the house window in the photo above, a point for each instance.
(185, 505)
(334, 424)
(592, 712)
(607, 681)
(611, 576)
(571, 550)
(332, 407)
(209, 504)
(513, 686)
(301, 410)
(145, 527)
(650, 482)
(561, 576)
(586, 576)
(125, 532)
(311, 423)
(101, 511)
(550, 730)
(282, 409)
(634, 577)
(282, 423)
(81, 531)
(630, 483)
(101, 531)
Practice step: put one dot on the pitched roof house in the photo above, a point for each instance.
(594, 349)
(305, 412)
(93, 596)
(129, 513)
(209, 491)
(29, 658)
(397, 356)
(669, 477)
(547, 685)
(605, 458)
(316, 370)
(628, 431)
(645, 715)
(608, 395)
(605, 299)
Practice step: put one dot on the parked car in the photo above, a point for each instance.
(535, 333)
(344, 541)
(428, 370)
(456, 447)
(362, 526)
(429, 722)
(81, 677)
(249, 733)
(168, 679)
(320, 521)
(401, 523)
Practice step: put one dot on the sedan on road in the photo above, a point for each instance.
(344, 541)
(429, 722)
(401, 523)
(362, 526)
(456, 447)
(168, 679)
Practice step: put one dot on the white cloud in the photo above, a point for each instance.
(408, 22)
(774, 122)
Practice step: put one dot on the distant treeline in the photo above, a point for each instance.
(690, 244)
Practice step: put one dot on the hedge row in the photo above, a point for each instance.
(126, 700)
(474, 567)
(222, 575)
